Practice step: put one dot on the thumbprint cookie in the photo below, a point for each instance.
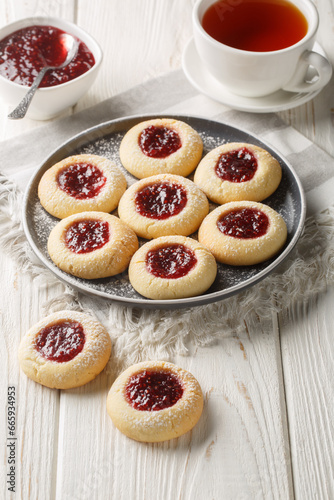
(81, 183)
(92, 245)
(172, 267)
(238, 171)
(163, 204)
(161, 146)
(155, 401)
(65, 350)
(243, 233)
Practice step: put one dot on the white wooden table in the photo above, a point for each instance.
(267, 428)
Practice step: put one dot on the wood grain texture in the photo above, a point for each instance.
(308, 360)
(36, 407)
(67, 446)
(314, 119)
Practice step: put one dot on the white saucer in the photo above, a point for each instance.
(203, 81)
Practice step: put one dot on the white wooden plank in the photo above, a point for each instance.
(21, 306)
(36, 406)
(308, 354)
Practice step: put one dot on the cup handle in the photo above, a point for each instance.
(323, 73)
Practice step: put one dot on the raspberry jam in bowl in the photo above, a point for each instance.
(25, 45)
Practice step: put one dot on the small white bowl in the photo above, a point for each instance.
(49, 102)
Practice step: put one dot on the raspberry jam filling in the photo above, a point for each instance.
(153, 391)
(170, 261)
(161, 200)
(24, 53)
(81, 180)
(244, 223)
(159, 142)
(87, 235)
(239, 165)
(61, 342)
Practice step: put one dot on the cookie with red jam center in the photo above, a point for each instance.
(81, 183)
(243, 233)
(161, 145)
(155, 401)
(238, 171)
(66, 349)
(92, 245)
(163, 204)
(172, 267)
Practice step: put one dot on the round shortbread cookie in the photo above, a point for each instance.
(243, 233)
(81, 183)
(92, 245)
(172, 267)
(161, 146)
(155, 401)
(64, 350)
(163, 204)
(238, 171)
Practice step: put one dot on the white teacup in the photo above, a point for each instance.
(256, 74)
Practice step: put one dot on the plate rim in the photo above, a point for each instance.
(187, 302)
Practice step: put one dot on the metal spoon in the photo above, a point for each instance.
(71, 45)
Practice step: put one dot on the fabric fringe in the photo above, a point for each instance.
(139, 334)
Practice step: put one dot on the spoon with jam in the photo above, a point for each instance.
(70, 48)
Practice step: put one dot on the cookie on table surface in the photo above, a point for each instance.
(155, 401)
(92, 245)
(243, 233)
(66, 349)
(161, 146)
(172, 267)
(163, 204)
(81, 183)
(238, 171)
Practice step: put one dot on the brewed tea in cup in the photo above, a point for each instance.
(256, 47)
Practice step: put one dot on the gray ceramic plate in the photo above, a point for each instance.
(104, 140)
